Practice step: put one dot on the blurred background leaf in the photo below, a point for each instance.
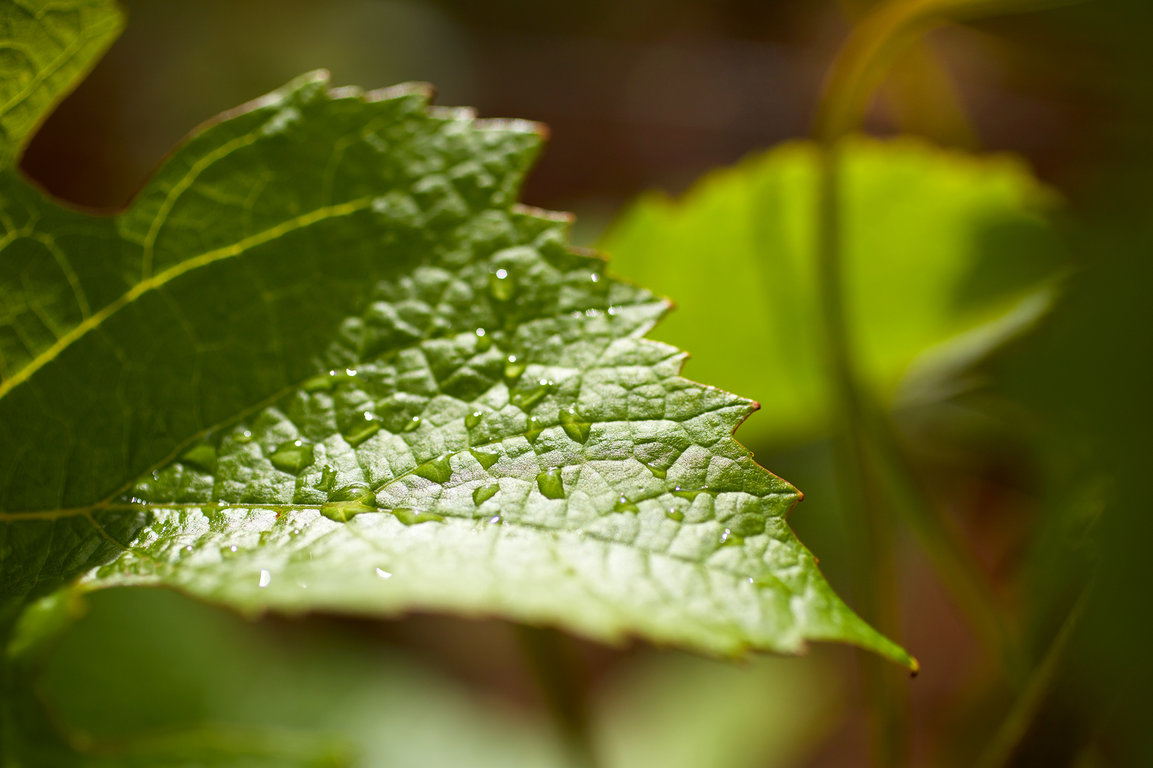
(937, 244)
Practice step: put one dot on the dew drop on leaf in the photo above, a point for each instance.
(292, 456)
(436, 470)
(500, 286)
(413, 517)
(550, 483)
(483, 493)
(624, 505)
(485, 458)
(574, 426)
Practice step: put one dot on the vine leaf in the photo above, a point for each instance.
(945, 255)
(325, 362)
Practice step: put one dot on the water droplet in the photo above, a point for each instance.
(525, 399)
(494, 520)
(535, 427)
(595, 277)
(483, 493)
(413, 517)
(383, 573)
(436, 470)
(675, 514)
(351, 492)
(500, 287)
(233, 548)
(343, 511)
(361, 429)
(265, 578)
(730, 539)
(574, 425)
(550, 483)
(471, 420)
(513, 368)
(485, 458)
(322, 383)
(188, 548)
(292, 456)
(689, 493)
(244, 437)
(483, 340)
(202, 457)
(624, 505)
(411, 424)
(327, 479)
(612, 311)
(658, 472)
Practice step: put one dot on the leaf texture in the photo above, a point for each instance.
(325, 362)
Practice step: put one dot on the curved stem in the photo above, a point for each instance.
(871, 470)
(559, 679)
(1024, 709)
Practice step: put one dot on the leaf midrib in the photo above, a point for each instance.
(159, 280)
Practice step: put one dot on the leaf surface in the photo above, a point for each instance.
(325, 362)
(944, 255)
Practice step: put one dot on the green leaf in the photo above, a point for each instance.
(944, 254)
(45, 48)
(324, 361)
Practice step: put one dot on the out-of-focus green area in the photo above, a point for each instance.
(940, 249)
(1037, 455)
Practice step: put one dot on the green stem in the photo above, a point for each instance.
(558, 676)
(871, 459)
(872, 473)
(1024, 709)
(869, 521)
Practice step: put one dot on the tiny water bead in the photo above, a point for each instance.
(437, 470)
(624, 505)
(483, 340)
(327, 479)
(411, 424)
(485, 458)
(675, 515)
(689, 493)
(362, 427)
(658, 472)
(550, 483)
(383, 573)
(343, 511)
(415, 517)
(292, 456)
(513, 368)
(483, 493)
(322, 383)
(534, 429)
(472, 419)
(730, 539)
(265, 578)
(574, 425)
(525, 399)
(500, 286)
